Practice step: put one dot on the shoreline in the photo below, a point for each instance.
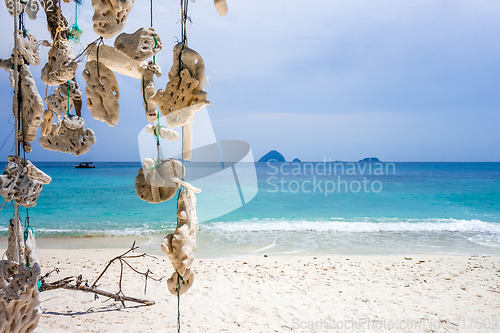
(284, 244)
(277, 293)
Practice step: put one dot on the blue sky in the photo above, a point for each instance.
(400, 80)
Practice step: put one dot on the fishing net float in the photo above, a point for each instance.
(158, 180)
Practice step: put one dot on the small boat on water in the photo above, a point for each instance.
(85, 165)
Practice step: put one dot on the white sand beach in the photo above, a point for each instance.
(422, 293)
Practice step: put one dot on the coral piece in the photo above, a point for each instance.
(58, 101)
(163, 171)
(61, 65)
(221, 6)
(181, 245)
(189, 59)
(74, 90)
(185, 83)
(148, 90)
(19, 303)
(116, 61)
(183, 95)
(102, 93)
(73, 122)
(15, 248)
(185, 184)
(185, 284)
(31, 170)
(185, 117)
(31, 105)
(110, 16)
(22, 181)
(48, 116)
(142, 44)
(180, 93)
(28, 47)
(26, 145)
(62, 138)
(8, 65)
(165, 133)
(31, 249)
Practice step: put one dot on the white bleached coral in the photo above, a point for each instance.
(22, 181)
(142, 44)
(181, 245)
(102, 92)
(153, 183)
(19, 302)
(110, 16)
(69, 137)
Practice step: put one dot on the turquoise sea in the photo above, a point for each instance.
(399, 208)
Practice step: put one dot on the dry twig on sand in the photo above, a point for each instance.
(78, 283)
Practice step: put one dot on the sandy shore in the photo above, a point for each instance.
(424, 293)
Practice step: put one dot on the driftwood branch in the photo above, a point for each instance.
(79, 284)
(66, 284)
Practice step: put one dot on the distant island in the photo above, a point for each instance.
(369, 160)
(276, 156)
(273, 155)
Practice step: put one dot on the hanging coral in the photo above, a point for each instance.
(221, 6)
(153, 183)
(61, 65)
(181, 245)
(69, 136)
(139, 46)
(148, 90)
(31, 105)
(22, 181)
(19, 303)
(183, 95)
(110, 16)
(115, 61)
(102, 92)
(28, 47)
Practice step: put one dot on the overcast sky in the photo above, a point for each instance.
(399, 80)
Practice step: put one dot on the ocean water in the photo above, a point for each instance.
(300, 208)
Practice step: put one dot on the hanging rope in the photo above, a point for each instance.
(179, 279)
(157, 130)
(67, 111)
(17, 254)
(76, 32)
(27, 228)
(184, 19)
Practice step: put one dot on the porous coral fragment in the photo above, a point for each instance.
(31, 106)
(148, 90)
(28, 47)
(102, 92)
(181, 245)
(164, 169)
(69, 137)
(19, 303)
(142, 44)
(116, 61)
(22, 181)
(110, 16)
(61, 65)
